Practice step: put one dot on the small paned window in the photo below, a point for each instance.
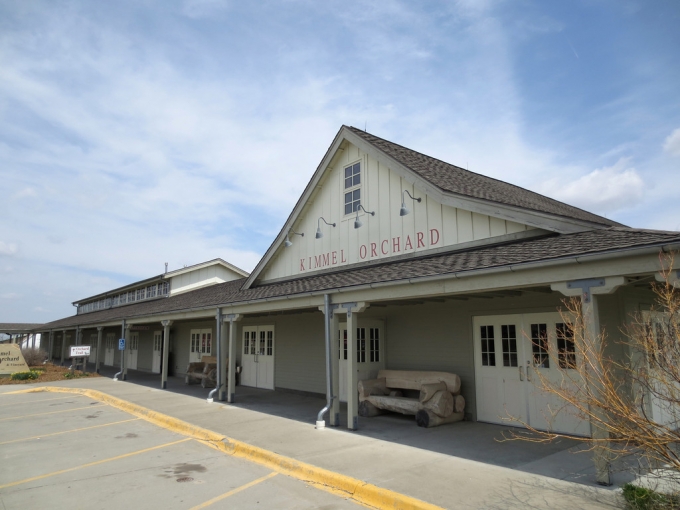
(131, 296)
(488, 347)
(352, 188)
(539, 345)
(270, 343)
(509, 340)
(374, 344)
(246, 343)
(163, 288)
(361, 345)
(123, 298)
(263, 337)
(115, 300)
(566, 349)
(342, 336)
(151, 291)
(141, 294)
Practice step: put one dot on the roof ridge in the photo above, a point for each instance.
(592, 217)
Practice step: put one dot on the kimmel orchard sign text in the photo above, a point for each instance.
(372, 250)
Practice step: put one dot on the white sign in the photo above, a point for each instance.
(79, 351)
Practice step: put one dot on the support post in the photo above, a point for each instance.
(63, 346)
(334, 413)
(352, 379)
(100, 334)
(233, 339)
(587, 291)
(223, 344)
(221, 368)
(166, 353)
(51, 346)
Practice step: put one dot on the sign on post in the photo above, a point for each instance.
(121, 344)
(80, 351)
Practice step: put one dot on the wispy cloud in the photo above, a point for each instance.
(672, 143)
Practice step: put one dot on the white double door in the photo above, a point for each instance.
(515, 355)
(200, 345)
(133, 351)
(257, 357)
(156, 355)
(109, 349)
(370, 342)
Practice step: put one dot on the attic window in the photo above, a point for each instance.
(352, 188)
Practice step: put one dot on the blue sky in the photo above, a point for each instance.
(135, 133)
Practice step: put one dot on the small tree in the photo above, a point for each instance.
(34, 356)
(636, 399)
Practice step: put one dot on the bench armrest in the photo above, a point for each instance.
(372, 387)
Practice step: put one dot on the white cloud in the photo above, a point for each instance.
(8, 248)
(604, 190)
(672, 143)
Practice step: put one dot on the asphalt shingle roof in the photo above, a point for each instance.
(457, 180)
(546, 248)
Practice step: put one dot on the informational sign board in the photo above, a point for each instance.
(121, 344)
(80, 351)
(11, 359)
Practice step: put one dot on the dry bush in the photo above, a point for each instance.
(34, 356)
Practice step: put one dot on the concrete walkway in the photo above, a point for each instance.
(461, 467)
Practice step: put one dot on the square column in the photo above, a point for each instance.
(100, 334)
(166, 353)
(352, 376)
(223, 360)
(334, 413)
(63, 346)
(51, 346)
(233, 345)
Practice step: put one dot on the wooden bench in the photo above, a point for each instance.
(439, 400)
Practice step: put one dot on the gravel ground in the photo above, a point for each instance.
(49, 373)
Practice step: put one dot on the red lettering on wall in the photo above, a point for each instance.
(419, 240)
(334, 257)
(409, 244)
(382, 247)
(362, 251)
(302, 264)
(434, 236)
(374, 250)
(342, 256)
(396, 244)
(317, 261)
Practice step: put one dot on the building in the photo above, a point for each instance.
(424, 265)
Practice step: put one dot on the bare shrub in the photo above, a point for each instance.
(34, 356)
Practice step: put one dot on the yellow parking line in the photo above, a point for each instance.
(232, 492)
(51, 412)
(90, 464)
(41, 400)
(68, 431)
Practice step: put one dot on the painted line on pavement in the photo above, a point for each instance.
(234, 491)
(68, 431)
(358, 490)
(90, 464)
(51, 412)
(31, 401)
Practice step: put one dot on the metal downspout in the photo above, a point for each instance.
(122, 354)
(320, 423)
(218, 337)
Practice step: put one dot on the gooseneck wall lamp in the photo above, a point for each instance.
(404, 211)
(319, 234)
(288, 243)
(357, 222)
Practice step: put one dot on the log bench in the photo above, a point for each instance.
(439, 400)
(205, 372)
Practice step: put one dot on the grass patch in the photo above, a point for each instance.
(641, 498)
(23, 376)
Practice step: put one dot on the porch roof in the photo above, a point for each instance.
(530, 251)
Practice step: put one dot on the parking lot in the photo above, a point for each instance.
(69, 451)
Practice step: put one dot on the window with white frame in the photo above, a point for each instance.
(141, 294)
(163, 288)
(123, 298)
(131, 296)
(115, 300)
(151, 291)
(352, 188)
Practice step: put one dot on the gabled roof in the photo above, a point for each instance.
(454, 179)
(446, 182)
(552, 248)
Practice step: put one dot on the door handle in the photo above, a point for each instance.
(528, 373)
(521, 373)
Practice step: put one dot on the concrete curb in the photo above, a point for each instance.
(358, 490)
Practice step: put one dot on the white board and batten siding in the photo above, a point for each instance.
(429, 225)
